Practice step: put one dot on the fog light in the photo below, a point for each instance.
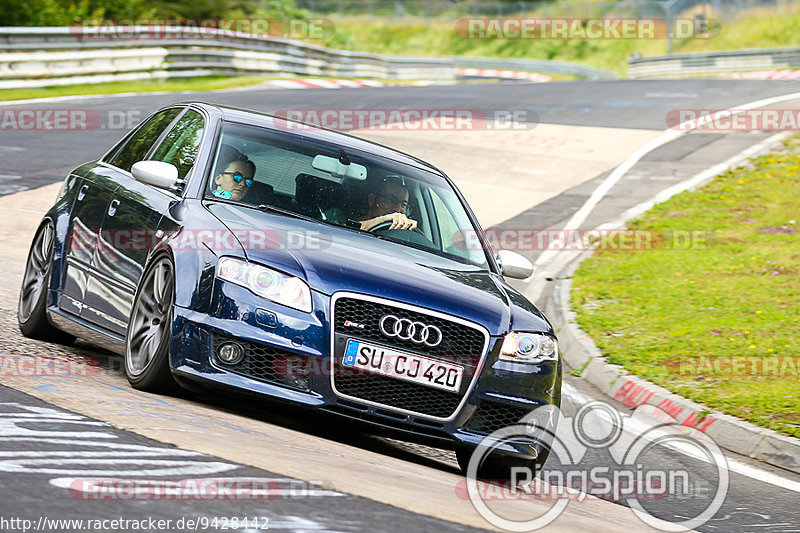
(230, 353)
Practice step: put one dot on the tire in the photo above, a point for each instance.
(32, 307)
(498, 467)
(149, 330)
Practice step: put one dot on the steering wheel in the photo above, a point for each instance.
(415, 236)
(384, 226)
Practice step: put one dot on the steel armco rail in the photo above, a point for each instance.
(34, 57)
(714, 63)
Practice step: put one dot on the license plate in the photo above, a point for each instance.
(403, 365)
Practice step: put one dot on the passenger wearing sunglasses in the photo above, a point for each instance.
(237, 178)
(388, 204)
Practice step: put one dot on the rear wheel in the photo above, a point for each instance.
(32, 308)
(149, 330)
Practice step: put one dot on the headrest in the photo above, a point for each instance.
(315, 191)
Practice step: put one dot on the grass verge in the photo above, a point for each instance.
(148, 86)
(756, 29)
(714, 319)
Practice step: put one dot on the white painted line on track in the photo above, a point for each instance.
(695, 181)
(667, 136)
(637, 427)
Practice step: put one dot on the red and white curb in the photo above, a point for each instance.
(325, 84)
(504, 74)
(768, 75)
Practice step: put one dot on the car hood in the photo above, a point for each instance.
(333, 259)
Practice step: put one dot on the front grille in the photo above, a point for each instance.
(266, 363)
(460, 344)
(491, 416)
(396, 393)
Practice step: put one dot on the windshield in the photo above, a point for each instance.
(259, 167)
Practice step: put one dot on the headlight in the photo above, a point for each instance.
(267, 283)
(528, 348)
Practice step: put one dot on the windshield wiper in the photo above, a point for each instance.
(434, 251)
(272, 209)
(409, 243)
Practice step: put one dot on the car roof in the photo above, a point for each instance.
(314, 132)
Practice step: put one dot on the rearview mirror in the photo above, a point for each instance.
(338, 169)
(155, 173)
(513, 265)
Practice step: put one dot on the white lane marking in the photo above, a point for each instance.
(114, 453)
(259, 488)
(666, 136)
(146, 467)
(638, 427)
(81, 462)
(695, 181)
(296, 523)
(114, 447)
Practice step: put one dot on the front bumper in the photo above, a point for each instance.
(289, 360)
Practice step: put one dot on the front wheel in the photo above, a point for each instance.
(32, 308)
(149, 330)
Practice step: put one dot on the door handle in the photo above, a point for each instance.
(112, 209)
(82, 192)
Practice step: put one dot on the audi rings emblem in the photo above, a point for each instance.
(408, 330)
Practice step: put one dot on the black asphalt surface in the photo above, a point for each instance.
(38, 441)
(31, 159)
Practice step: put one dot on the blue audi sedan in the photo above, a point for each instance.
(216, 247)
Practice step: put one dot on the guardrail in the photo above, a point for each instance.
(37, 57)
(536, 65)
(714, 63)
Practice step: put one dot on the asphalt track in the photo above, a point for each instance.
(558, 114)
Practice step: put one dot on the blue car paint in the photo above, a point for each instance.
(344, 260)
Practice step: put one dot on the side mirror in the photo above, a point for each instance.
(513, 265)
(155, 173)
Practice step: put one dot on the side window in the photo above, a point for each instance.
(140, 143)
(448, 227)
(181, 144)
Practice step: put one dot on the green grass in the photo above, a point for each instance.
(189, 84)
(436, 38)
(676, 316)
(758, 29)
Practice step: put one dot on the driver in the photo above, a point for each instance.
(235, 180)
(388, 204)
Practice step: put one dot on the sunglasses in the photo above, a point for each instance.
(238, 177)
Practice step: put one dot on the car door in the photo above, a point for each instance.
(94, 194)
(126, 236)
(112, 172)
